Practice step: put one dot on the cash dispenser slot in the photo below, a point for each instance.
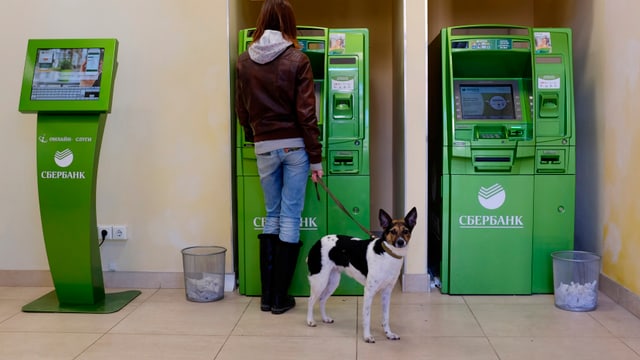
(551, 161)
(343, 162)
(492, 160)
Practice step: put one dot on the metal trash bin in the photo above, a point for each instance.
(204, 272)
(575, 280)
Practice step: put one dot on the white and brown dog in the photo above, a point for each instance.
(375, 263)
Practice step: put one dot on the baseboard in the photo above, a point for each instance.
(112, 279)
(415, 283)
(25, 278)
(621, 295)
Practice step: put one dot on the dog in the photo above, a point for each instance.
(374, 263)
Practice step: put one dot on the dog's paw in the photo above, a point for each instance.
(392, 336)
(369, 339)
(327, 320)
(311, 323)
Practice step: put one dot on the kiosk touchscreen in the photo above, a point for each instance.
(68, 75)
(68, 83)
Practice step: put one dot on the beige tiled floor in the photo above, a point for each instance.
(162, 324)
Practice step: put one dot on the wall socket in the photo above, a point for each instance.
(109, 232)
(120, 232)
(113, 232)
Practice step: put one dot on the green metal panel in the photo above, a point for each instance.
(553, 89)
(353, 192)
(491, 226)
(68, 150)
(554, 204)
(554, 214)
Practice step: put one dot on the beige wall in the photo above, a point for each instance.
(608, 108)
(165, 159)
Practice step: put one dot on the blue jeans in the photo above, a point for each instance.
(283, 176)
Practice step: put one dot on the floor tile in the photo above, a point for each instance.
(633, 343)
(9, 308)
(535, 320)
(62, 322)
(182, 317)
(294, 322)
(170, 347)
(616, 319)
(290, 348)
(420, 346)
(427, 319)
(44, 346)
(562, 348)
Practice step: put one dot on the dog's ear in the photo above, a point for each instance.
(411, 218)
(385, 219)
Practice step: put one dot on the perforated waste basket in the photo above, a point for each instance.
(575, 280)
(204, 273)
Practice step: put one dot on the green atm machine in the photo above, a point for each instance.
(505, 197)
(69, 84)
(340, 65)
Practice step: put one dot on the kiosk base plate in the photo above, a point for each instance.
(112, 302)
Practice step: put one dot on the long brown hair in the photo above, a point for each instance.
(277, 15)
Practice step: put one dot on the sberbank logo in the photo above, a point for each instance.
(64, 158)
(492, 197)
(306, 223)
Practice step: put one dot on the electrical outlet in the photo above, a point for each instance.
(109, 232)
(120, 232)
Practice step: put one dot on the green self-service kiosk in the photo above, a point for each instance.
(505, 196)
(69, 84)
(340, 64)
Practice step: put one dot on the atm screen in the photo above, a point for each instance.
(487, 101)
(67, 74)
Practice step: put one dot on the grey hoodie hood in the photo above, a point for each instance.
(270, 45)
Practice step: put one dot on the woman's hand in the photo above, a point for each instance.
(316, 175)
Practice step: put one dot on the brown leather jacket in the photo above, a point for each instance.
(276, 100)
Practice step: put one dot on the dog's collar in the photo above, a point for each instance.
(388, 251)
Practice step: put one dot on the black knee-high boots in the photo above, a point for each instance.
(285, 261)
(267, 255)
(278, 261)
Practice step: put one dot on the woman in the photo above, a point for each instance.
(275, 104)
